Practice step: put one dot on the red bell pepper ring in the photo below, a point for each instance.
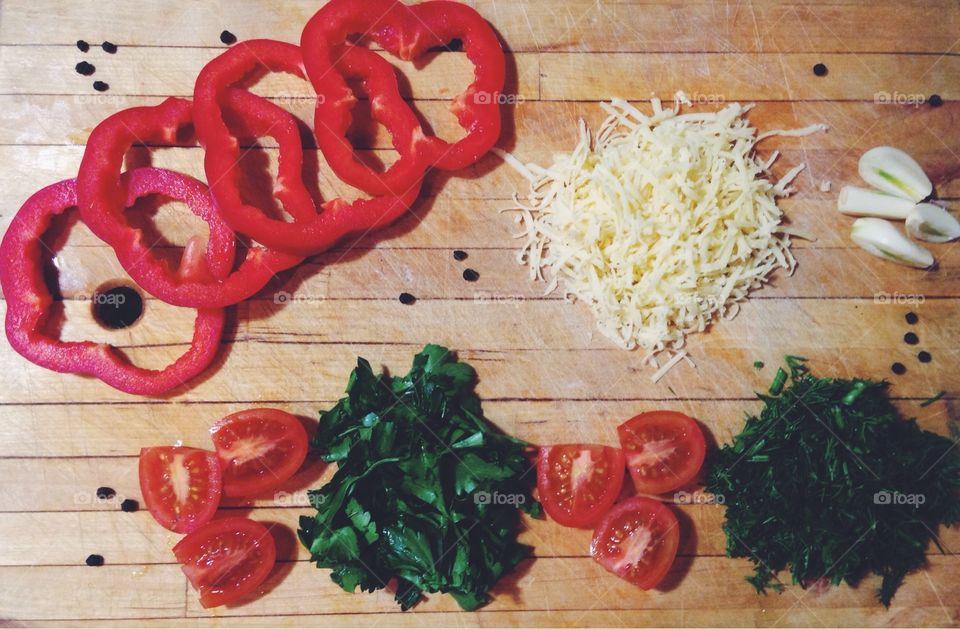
(29, 302)
(409, 32)
(102, 198)
(305, 235)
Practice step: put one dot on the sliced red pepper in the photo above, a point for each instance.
(102, 198)
(29, 303)
(409, 32)
(304, 235)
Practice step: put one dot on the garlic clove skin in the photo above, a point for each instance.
(890, 170)
(882, 238)
(932, 223)
(855, 201)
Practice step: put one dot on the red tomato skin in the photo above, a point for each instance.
(671, 537)
(182, 522)
(235, 485)
(546, 487)
(190, 546)
(691, 438)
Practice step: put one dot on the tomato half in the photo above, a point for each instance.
(664, 450)
(181, 486)
(578, 483)
(259, 450)
(637, 540)
(226, 559)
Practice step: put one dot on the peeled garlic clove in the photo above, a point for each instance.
(892, 171)
(932, 223)
(865, 202)
(884, 240)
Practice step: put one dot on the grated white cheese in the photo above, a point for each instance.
(661, 224)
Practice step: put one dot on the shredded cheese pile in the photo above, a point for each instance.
(662, 224)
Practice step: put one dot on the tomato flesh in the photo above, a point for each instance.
(180, 486)
(637, 540)
(664, 450)
(259, 450)
(578, 483)
(226, 559)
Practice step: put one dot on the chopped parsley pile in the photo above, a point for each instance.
(427, 491)
(831, 482)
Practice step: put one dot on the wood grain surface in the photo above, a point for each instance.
(545, 374)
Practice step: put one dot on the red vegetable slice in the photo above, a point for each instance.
(306, 235)
(29, 303)
(102, 198)
(407, 32)
(577, 483)
(181, 486)
(664, 450)
(259, 450)
(637, 540)
(226, 559)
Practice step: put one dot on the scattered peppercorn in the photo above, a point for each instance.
(86, 69)
(910, 338)
(100, 86)
(820, 69)
(129, 505)
(470, 275)
(228, 38)
(459, 254)
(109, 47)
(95, 560)
(104, 493)
(82, 45)
(407, 299)
(935, 100)
(898, 368)
(924, 357)
(912, 318)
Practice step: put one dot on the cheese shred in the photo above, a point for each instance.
(660, 224)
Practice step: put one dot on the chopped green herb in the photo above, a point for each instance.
(929, 401)
(758, 364)
(778, 381)
(426, 490)
(830, 482)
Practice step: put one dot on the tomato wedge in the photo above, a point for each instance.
(664, 450)
(259, 450)
(579, 483)
(181, 486)
(226, 559)
(637, 540)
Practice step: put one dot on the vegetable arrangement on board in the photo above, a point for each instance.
(207, 278)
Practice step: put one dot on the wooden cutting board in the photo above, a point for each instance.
(545, 375)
